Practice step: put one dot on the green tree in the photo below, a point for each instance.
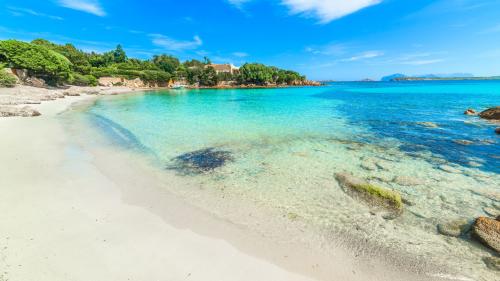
(119, 54)
(209, 77)
(38, 60)
(166, 63)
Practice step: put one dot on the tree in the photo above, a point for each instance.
(166, 63)
(38, 60)
(209, 77)
(119, 54)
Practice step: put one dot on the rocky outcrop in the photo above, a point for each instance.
(470, 111)
(375, 196)
(487, 231)
(26, 79)
(11, 111)
(491, 114)
(453, 228)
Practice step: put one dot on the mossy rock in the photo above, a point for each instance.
(374, 195)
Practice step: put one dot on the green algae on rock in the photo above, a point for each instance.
(372, 194)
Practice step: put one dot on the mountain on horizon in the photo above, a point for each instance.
(449, 75)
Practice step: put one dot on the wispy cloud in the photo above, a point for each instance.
(324, 10)
(171, 44)
(240, 54)
(327, 10)
(23, 11)
(87, 6)
(363, 56)
(332, 49)
(422, 62)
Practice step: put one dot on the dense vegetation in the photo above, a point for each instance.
(65, 64)
(6, 79)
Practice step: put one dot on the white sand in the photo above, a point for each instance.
(64, 218)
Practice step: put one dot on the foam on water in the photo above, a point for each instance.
(286, 145)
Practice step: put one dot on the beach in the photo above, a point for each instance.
(72, 214)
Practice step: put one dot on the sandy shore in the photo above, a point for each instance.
(71, 214)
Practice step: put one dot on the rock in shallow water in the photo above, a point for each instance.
(407, 181)
(453, 228)
(373, 195)
(491, 113)
(487, 231)
(201, 161)
(492, 263)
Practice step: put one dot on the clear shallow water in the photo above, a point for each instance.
(286, 145)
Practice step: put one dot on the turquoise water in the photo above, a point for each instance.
(286, 144)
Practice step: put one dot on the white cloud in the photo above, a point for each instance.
(325, 10)
(88, 6)
(240, 54)
(365, 55)
(23, 11)
(175, 45)
(423, 62)
(332, 49)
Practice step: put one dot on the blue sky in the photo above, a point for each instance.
(325, 39)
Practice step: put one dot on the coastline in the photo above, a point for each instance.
(97, 199)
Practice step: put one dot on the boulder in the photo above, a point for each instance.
(487, 231)
(454, 228)
(491, 113)
(492, 263)
(373, 195)
(470, 111)
(10, 111)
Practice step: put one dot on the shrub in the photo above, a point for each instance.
(6, 79)
(83, 80)
(38, 60)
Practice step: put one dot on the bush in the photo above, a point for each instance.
(6, 79)
(83, 80)
(38, 60)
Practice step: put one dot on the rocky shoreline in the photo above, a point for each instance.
(20, 100)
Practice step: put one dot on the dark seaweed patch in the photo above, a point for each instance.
(200, 161)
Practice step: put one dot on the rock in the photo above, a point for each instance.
(26, 111)
(470, 111)
(370, 166)
(454, 228)
(373, 195)
(493, 212)
(201, 161)
(491, 113)
(428, 124)
(497, 130)
(463, 142)
(383, 165)
(492, 195)
(449, 169)
(487, 231)
(492, 263)
(407, 181)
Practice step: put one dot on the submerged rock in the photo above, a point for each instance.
(491, 113)
(407, 181)
(10, 111)
(497, 130)
(449, 169)
(493, 212)
(492, 263)
(201, 161)
(428, 124)
(453, 228)
(470, 111)
(487, 231)
(463, 142)
(373, 195)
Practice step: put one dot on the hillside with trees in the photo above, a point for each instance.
(67, 65)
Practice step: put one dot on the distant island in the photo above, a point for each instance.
(437, 77)
(41, 63)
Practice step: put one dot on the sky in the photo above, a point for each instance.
(323, 39)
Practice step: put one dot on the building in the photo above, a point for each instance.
(225, 68)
